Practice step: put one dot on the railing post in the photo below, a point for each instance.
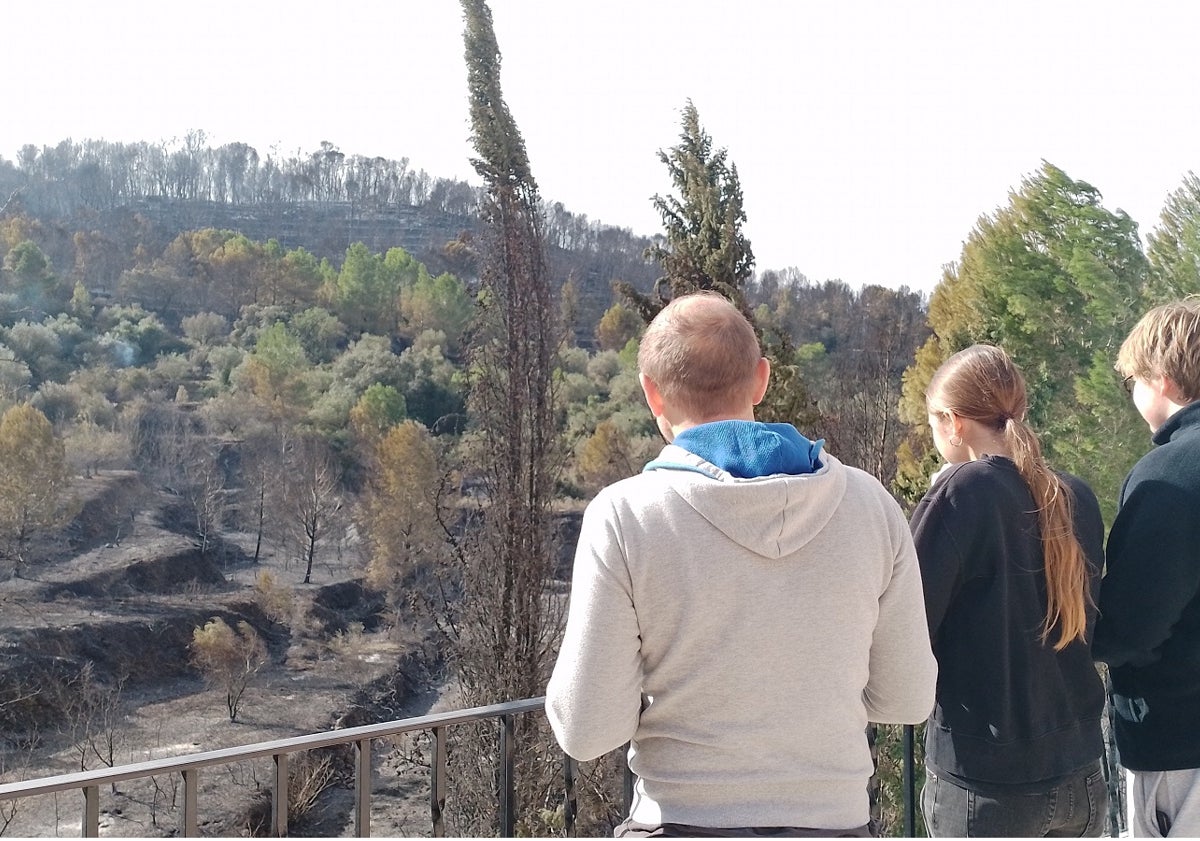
(437, 783)
(91, 812)
(279, 811)
(910, 784)
(362, 789)
(189, 827)
(508, 795)
(627, 787)
(571, 797)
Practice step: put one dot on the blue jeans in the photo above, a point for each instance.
(1075, 808)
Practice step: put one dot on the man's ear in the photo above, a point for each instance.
(1170, 390)
(762, 378)
(653, 396)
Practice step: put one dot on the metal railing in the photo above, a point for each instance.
(189, 765)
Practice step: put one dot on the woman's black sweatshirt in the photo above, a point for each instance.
(1010, 709)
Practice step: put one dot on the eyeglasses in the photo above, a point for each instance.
(1128, 383)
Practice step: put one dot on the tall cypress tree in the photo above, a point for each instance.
(508, 627)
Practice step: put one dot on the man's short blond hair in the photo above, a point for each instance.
(702, 354)
(1166, 343)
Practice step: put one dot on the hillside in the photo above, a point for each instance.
(95, 658)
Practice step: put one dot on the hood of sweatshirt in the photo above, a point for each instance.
(765, 486)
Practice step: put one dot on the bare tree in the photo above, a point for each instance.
(92, 716)
(310, 500)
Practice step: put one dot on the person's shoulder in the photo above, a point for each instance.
(1080, 489)
(974, 473)
(969, 485)
(861, 485)
(1165, 459)
(630, 486)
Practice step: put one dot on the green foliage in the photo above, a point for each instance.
(1174, 246)
(205, 328)
(34, 480)
(320, 333)
(705, 248)
(274, 370)
(228, 659)
(431, 384)
(364, 363)
(439, 303)
(617, 327)
(379, 409)
(1056, 280)
(29, 266)
(134, 336)
(81, 302)
(367, 292)
(39, 348)
(15, 375)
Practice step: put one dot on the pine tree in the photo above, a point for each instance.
(705, 248)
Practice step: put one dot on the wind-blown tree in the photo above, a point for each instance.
(512, 358)
(34, 481)
(1055, 279)
(1174, 246)
(508, 627)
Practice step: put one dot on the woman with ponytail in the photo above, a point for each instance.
(1010, 553)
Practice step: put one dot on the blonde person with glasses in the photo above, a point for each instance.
(1149, 630)
(1010, 552)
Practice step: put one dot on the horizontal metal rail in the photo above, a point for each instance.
(188, 765)
(89, 782)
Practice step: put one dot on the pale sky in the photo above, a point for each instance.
(869, 136)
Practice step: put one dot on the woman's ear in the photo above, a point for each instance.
(956, 424)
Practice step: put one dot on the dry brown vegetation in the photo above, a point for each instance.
(95, 670)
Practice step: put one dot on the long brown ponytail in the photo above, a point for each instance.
(981, 383)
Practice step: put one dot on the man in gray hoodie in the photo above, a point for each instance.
(741, 609)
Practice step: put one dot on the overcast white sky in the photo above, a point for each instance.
(869, 136)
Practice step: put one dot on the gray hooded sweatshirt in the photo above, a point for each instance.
(740, 633)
